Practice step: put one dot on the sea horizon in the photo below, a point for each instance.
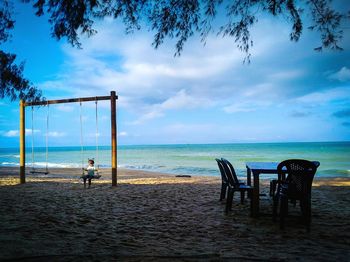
(166, 144)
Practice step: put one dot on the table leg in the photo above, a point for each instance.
(249, 180)
(255, 203)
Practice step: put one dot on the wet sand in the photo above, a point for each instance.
(152, 216)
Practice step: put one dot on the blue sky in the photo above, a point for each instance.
(288, 93)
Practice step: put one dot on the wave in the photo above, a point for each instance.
(141, 167)
(194, 170)
(57, 165)
(10, 155)
(43, 164)
(9, 164)
(50, 165)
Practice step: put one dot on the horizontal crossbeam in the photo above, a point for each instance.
(70, 100)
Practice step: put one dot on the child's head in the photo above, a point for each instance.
(91, 162)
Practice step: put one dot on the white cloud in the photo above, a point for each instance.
(29, 132)
(138, 72)
(142, 75)
(92, 135)
(283, 75)
(237, 108)
(64, 108)
(104, 118)
(343, 75)
(183, 132)
(155, 113)
(246, 105)
(325, 96)
(181, 100)
(56, 134)
(123, 133)
(15, 133)
(11, 133)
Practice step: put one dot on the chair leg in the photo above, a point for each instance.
(275, 206)
(283, 211)
(308, 218)
(273, 185)
(223, 191)
(270, 194)
(294, 202)
(229, 200)
(271, 188)
(306, 213)
(251, 202)
(242, 196)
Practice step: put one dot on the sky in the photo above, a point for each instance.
(288, 93)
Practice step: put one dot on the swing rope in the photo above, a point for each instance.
(47, 136)
(32, 138)
(97, 134)
(81, 139)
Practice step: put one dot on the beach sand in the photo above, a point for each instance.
(152, 216)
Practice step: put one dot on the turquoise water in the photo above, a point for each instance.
(193, 159)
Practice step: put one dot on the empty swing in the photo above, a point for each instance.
(33, 170)
(92, 172)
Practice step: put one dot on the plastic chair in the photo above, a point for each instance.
(224, 180)
(296, 187)
(234, 185)
(274, 182)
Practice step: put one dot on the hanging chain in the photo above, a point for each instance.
(97, 134)
(81, 137)
(32, 138)
(47, 135)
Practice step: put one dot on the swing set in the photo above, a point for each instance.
(113, 97)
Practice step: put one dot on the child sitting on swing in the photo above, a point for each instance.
(90, 173)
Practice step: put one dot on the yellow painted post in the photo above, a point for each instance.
(22, 143)
(114, 137)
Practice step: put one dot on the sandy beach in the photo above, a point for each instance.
(153, 216)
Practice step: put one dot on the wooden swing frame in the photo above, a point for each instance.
(113, 97)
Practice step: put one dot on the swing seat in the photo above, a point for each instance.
(91, 177)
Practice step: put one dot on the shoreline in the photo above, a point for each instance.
(125, 172)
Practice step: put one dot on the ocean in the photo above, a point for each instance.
(191, 159)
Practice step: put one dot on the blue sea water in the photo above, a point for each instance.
(197, 159)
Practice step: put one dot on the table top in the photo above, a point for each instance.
(262, 166)
(268, 167)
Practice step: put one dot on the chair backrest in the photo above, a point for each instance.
(222, 171)
(230, 173)
(300, 174)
